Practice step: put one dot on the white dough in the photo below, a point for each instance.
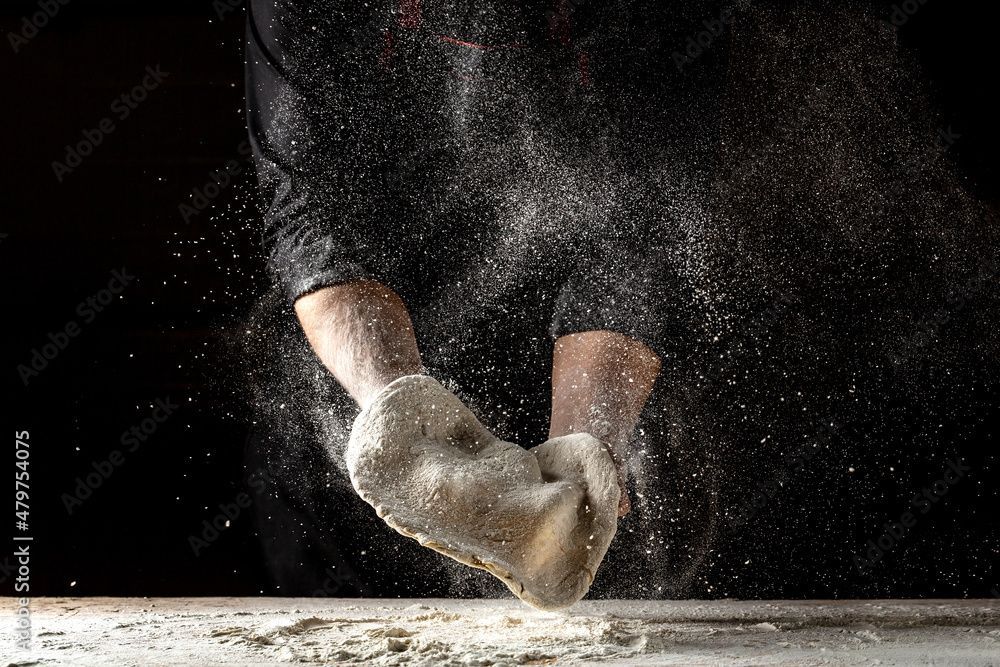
(540, 520)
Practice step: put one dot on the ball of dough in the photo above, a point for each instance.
(540, 520)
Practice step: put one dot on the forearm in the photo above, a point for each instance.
(600, 383)
(362, 333)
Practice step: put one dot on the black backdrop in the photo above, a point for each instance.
(162, 337)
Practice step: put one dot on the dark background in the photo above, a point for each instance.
(166, 336)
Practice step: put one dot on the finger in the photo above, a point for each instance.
(624, 503)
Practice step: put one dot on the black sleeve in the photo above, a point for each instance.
(313, 116)
(661, 66)
(623, 287)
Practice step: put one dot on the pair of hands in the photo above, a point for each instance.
(362, 332)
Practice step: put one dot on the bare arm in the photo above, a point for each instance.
(362, 332)
(600, 383)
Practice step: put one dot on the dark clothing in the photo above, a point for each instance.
(422, 143)
(511, 169)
